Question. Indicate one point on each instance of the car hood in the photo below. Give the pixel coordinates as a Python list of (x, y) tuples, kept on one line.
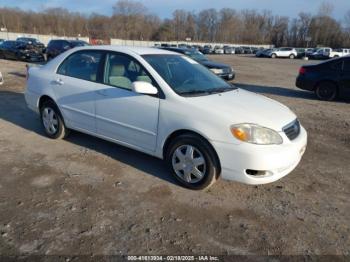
[(240, 106), (212, 64)]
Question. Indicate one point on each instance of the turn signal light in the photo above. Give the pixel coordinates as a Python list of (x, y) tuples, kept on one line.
[(239, 134)]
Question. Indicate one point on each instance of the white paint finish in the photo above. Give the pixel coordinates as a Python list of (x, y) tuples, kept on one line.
[(144, 122)]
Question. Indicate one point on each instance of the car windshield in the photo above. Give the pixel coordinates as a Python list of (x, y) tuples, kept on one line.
[(198, 56), (187, 77)]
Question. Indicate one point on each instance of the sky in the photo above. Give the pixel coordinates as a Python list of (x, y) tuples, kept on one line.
[(164, 8)]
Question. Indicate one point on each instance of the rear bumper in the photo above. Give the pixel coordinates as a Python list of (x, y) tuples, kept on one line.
[(32, 99), (273, 162), (304, 83)]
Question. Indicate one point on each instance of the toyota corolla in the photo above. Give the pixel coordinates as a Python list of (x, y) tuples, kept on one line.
[(171, 107)]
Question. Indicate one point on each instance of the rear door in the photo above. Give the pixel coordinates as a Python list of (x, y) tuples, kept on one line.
[(74, 86)]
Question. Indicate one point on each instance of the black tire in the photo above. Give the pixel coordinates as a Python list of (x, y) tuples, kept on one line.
[(273, 56), (212, 167), (291, 56), (2, 56), (61, 130), (326, 91)]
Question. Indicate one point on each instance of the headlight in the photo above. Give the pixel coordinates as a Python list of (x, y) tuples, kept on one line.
[(217, 71), (255, 134)]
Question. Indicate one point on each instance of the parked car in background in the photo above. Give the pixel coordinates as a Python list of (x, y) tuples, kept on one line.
[(310, 51), (238, 50), (18, 50), (301, 52), (1, 41), (254, 50), (284, 52), (247, 50), (229, 50), (320, 53), (58, 46), (1, 79), (329, 80), (263, 52), (218, 50), (170, 107), (224, 71), (334, 53), (207, 49), (33, 42)]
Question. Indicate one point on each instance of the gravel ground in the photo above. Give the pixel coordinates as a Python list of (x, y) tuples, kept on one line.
[(85, 196)]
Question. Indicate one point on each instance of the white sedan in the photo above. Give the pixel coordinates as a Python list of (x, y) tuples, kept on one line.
[(169, 106)]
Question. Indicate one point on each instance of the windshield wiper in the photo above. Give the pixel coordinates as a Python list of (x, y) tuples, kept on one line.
[(194, 92), (221, 90)]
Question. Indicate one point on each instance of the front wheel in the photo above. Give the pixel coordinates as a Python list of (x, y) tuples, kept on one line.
[(292, 56), (273, 56), (326, 91), (52, 121), (193, 162)]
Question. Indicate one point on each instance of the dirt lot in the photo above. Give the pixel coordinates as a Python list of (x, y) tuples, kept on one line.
[(83, 195)]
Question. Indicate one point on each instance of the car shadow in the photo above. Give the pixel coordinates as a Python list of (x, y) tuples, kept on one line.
[(15, 111), (19, 74)]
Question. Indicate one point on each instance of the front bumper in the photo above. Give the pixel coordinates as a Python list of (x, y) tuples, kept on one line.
[(228, 76), (272, 161)]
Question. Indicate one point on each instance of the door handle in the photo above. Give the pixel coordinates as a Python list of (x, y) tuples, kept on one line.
[(102, 92), (58, 81)]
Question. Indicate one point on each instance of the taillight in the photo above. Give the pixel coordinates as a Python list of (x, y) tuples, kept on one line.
[(302, 70)]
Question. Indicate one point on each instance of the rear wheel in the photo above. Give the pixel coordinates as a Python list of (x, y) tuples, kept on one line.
[(193, 161), (52, 121), (326, 91)]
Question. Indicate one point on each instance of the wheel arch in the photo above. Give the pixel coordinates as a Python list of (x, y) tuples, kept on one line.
[(45, 98), (180, 132), (326, 80)]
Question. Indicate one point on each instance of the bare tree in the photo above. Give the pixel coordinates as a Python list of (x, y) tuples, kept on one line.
[(131, 20)]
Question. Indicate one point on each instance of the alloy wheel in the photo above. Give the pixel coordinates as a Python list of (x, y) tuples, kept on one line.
[(189, 164), (50, 120)]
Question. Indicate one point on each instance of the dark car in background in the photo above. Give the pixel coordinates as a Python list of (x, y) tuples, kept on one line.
[(1, 41), (58, 46), (19, 50), (263, 52), (247, 50), (35, 43), (224, 71), (301, 52), (329, 80), (239, 50)]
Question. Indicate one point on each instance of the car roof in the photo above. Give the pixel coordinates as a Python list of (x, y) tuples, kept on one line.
[(133, 49)]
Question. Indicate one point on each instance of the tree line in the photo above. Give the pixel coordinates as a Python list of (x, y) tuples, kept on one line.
[(131, 20)]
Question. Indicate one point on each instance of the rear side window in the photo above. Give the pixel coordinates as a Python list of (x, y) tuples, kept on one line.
[(82, 65)]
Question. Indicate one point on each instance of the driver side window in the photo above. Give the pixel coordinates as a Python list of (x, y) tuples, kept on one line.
[(121, 71)]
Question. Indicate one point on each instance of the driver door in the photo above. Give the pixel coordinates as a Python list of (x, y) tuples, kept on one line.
[(121, 114)]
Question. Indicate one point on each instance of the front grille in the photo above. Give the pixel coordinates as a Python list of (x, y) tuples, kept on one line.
[(292, 130)]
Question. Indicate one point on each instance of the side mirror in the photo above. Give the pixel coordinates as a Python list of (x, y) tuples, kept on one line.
[(142, 87)]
